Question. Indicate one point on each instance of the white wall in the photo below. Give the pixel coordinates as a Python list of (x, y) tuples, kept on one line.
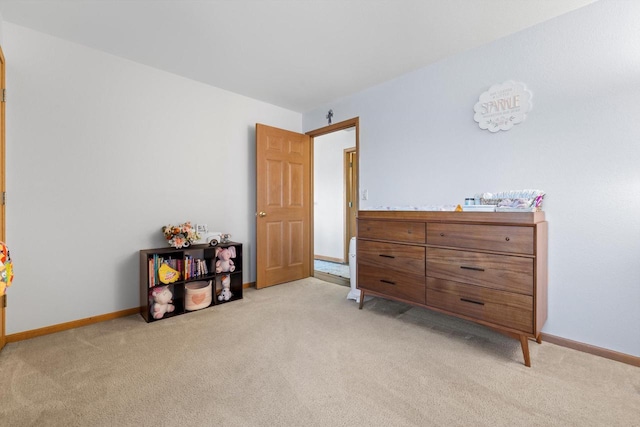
[(101, 153), (580, 143), (328, 191)]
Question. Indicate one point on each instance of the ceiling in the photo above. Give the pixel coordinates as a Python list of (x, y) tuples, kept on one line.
[(297, 54)]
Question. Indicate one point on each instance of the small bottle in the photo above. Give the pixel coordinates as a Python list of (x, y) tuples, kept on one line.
[(469, 201)]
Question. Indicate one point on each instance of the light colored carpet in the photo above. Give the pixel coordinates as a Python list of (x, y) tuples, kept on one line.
[(301, 354)]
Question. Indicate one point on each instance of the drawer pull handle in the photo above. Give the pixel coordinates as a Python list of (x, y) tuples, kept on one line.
[(386, 256), (388, 282), (441, 234), (471, 301), (472, 268), (507, 238)]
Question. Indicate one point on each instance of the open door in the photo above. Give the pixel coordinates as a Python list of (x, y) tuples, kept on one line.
[(351, 196), (3, 299), (283, 217)]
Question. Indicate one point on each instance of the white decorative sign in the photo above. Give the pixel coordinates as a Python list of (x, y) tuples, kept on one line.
[(502, 106)]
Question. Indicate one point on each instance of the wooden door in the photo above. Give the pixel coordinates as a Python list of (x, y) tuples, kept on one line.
[(351, 196), (283, 217), (3, 299)]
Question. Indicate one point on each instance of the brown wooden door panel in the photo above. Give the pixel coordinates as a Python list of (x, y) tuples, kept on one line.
[(3, 336), (3, 339), (275, 176), (351, 197), (283, 217)]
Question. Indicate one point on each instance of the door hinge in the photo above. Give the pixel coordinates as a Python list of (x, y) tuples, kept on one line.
[(4, 95), (4, 198), (4, 303), (350, 204)]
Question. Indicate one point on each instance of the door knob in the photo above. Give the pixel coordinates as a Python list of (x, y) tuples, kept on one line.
[(261, 214)]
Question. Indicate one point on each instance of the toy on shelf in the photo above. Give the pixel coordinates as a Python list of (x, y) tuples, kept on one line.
[(226, 294), (225, 263), (167, 274), (6, 268), (162, 299)]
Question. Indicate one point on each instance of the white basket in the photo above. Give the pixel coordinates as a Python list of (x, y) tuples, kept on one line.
[(197, 295)]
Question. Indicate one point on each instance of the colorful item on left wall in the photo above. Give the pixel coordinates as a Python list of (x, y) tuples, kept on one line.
[(6, 269)]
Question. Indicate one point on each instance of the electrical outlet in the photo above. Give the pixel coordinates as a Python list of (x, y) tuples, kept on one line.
[(202, 228), (365, 194)]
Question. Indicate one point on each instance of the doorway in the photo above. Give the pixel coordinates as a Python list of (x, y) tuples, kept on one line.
[(285, 221), (335, 204), (3, 299)]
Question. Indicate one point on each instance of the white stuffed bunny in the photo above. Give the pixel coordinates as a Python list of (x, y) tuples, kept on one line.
[(226, 294)]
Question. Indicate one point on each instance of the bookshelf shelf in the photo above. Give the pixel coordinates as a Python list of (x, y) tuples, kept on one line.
[(190, 275)]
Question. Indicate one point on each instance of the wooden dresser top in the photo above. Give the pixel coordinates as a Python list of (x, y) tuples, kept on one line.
[(508, 218)]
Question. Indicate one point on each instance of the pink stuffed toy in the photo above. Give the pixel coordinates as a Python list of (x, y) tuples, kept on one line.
[(224, 262), (162, 299)]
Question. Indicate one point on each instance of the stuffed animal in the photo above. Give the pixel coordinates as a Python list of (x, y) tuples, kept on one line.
[(224, 263), (162, 299), (226, 294)]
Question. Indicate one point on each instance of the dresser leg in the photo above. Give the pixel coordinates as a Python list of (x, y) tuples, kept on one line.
[(539, 339), (361, 299), (524, 342)]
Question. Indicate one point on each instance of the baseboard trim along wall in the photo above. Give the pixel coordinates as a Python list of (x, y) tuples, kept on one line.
[(331, 278), (328, 258), (21, 336), (591, 349)]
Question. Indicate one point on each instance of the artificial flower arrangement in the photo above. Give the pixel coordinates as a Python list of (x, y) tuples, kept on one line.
[(180, 236)]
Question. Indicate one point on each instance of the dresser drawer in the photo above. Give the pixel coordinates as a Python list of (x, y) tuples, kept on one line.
[(502, 272), (410, 259), (394, 284), (499, 238), (499, 307), (396, 231)]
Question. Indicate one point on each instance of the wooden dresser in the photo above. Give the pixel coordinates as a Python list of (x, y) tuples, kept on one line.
[(486, 267)]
